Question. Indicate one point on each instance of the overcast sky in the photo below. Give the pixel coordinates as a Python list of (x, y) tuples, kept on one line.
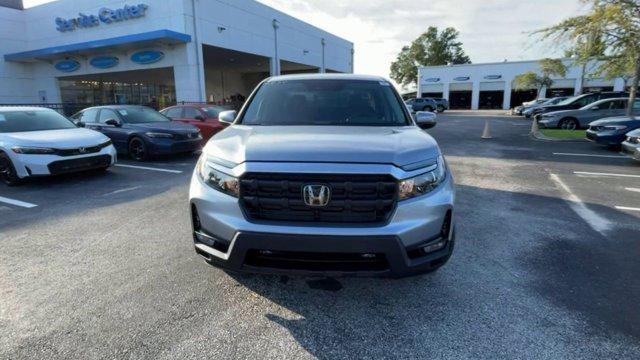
[(490, 30)]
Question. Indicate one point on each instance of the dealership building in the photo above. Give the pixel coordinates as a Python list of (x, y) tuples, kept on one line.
[(491, 85), (154, 51)]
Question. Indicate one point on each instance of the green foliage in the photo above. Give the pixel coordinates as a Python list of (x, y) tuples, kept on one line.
[(532, 80), (429, 49), (611, 28)]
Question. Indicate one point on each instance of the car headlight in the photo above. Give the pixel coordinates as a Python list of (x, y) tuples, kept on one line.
[(106, 144), (159, 135), (32, 150), (218, 180), (614, 127), (425, 183)]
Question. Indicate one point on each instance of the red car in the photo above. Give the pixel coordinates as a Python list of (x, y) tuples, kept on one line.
[(204, 117)]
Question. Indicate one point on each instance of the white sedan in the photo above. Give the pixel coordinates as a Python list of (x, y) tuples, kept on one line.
[(41, 142)]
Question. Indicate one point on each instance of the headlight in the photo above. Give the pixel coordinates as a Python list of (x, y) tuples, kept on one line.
[(614, 127), (32, 150), (216, 179), (425, 183), (159, 135), (106, 143)]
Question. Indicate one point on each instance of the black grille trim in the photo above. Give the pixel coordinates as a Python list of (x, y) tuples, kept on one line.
[(82, 164), (355, 199)]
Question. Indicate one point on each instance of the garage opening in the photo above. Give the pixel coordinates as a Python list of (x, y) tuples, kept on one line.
[(151, 87), (491, 95), (289, 68), (460, 96), (595, 85), (432, 91), (230, 76), (562, 87), (520, 96)]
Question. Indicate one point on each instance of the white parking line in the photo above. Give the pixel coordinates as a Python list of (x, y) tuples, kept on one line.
[(627, 208), (633, 190), (605, 174), (592, 155), (122, 190), (597, 222), (17, 203), (149, 168)]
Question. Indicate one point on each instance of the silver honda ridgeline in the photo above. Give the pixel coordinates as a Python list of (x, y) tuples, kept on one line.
[(324, 175)]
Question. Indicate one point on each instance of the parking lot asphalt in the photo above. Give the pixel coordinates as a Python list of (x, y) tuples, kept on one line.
[(546, 267)]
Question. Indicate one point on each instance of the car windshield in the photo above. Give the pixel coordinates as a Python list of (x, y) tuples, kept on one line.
[(141, 115), (40, 120), (326, 102), (568, 101), (214, 111)]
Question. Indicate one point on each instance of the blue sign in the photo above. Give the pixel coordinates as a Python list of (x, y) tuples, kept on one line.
[(462, 78), (104, 62), (147, 57), (493, 77), (432, 80), (69, 65), (105, 15)]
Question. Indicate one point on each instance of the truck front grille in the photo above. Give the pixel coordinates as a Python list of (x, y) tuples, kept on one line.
[(354, 198)]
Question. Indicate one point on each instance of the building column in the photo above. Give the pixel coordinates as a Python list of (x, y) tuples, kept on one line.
[(445, 91), (506, 103), (475, 96), (188, 80), (543, 93), (619, 85)]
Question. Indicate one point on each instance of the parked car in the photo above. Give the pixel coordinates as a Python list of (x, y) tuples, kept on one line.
[(612, 131), (140, 131), (41, 142), (631, 145), (519, 110), (204, 117), (528, 111), (324, 174), (581, 118), (578, 102), (441, 104), (422, 104)]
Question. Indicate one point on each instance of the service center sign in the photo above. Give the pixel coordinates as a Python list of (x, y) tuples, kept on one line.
[(105, 15)]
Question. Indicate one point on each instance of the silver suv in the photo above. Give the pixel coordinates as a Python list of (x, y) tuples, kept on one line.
[(324, 174)]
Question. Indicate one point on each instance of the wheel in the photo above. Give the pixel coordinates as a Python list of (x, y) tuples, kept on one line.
[(568, 124), (440, 109), (427, 108), (138, 149), (8, 174)]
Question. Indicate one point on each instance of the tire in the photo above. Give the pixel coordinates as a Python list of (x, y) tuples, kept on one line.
[(427, 108), (8, 174), (440, 109), (138, 149), (568, 124)]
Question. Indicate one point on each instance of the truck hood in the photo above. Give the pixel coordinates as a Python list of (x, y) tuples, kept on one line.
[(59, 139), (399, 146)]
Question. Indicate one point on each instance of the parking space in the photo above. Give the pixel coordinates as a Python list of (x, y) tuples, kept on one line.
[(545, 263)]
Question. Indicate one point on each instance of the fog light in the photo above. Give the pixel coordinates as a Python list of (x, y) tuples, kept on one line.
[(434, 247)]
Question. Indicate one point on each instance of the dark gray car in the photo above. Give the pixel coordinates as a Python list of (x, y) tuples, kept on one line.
[(580, 118)]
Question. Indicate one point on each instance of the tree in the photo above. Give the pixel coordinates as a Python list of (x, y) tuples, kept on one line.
[(432, 48), (616, 24), (587, 48), (548, 68)]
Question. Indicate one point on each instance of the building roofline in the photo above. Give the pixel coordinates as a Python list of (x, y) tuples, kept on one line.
[(489, 63)]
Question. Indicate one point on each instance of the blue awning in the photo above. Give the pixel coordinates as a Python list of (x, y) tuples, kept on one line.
[(147, 38)]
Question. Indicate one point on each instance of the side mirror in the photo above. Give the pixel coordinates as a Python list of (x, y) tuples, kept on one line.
[(113, 122), (80, 124), (228, 117), (199, 117), (425, 120)]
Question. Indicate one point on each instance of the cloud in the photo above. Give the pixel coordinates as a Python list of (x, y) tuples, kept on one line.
[(489, 30)]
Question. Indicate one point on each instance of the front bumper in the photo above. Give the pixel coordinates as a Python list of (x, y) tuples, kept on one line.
[(46, 165), (633, 150), (608, 138), (159, 146), (227, 239)]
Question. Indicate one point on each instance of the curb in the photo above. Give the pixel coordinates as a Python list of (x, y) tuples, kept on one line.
[(539, 136)]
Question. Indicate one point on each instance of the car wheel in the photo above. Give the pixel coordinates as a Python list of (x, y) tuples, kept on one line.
[(440, 108), (427, 108), (568, 124), (138, 149), (8, 174)]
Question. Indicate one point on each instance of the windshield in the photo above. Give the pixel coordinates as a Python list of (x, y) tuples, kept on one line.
[(568, 101), (326, 102), (141, 115), (41, 120), (214, 111)]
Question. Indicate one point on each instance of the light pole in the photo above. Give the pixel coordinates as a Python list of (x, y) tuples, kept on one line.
[(324, 44), (276, 58)]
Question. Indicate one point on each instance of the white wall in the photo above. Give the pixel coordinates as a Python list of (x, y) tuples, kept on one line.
[(508, 71), (16, 79)]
